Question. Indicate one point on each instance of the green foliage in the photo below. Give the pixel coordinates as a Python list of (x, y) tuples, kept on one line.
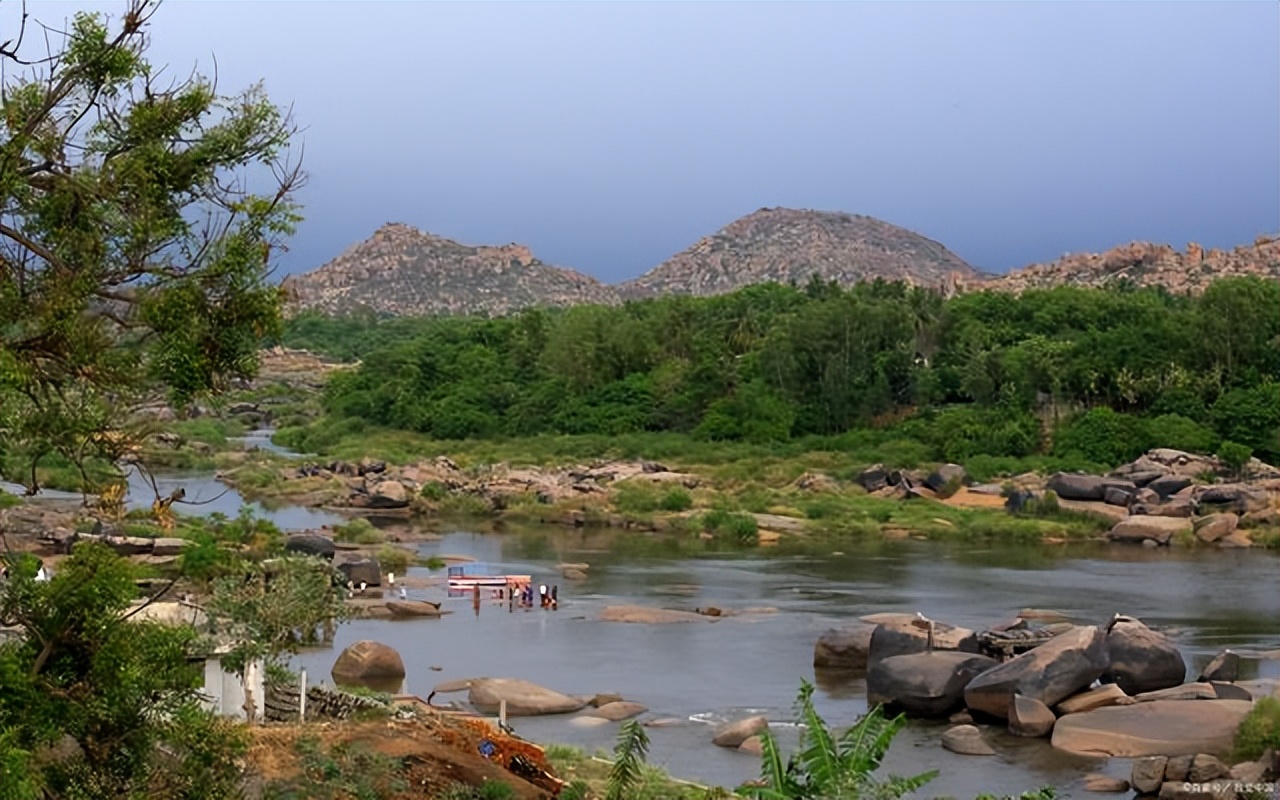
[(1235, 455), (771, 366), (77, 643), (343, 772), (735, 525), (360, 531), (676, 500), (1104, 436), (1258, 732), (435, 562), (629, 755), (828, 766), (394, 559), (434, 491), (1043, 793), (137, 254)]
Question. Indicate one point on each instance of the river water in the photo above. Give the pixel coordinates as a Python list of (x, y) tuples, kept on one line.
[(702, 673)]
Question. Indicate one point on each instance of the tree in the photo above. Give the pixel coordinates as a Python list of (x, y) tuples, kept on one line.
[(132, 249), (123, 690)]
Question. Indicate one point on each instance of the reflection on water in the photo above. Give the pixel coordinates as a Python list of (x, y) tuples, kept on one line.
[(703, 671), (205, 495)]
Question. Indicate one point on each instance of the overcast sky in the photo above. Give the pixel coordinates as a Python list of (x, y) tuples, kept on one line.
[(609, 136)]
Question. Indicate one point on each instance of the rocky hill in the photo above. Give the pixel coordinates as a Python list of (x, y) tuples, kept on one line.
[(401, 270), (1146, 264), (783, 244)]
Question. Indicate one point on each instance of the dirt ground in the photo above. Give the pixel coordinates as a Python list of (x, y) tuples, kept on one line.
[(435, 752)]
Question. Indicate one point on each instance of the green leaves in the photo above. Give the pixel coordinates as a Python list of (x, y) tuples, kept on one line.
[(628, 765)]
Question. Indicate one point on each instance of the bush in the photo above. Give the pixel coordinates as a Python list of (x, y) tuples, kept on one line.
[(1251, 417), (1235, 456), (1180, 433), (358, 530), (394, 559), (676, 500), (1104, 436), (739, 526), (1259, 731), (435, 491)]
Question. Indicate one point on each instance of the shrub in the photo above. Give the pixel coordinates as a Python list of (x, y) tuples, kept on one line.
[(394, 559), (435, 491), (1235, 456), (1251, 417), (1180, 433), (739, 526), (1259, 731), (676, 500), (1104, 436), (358, 530)]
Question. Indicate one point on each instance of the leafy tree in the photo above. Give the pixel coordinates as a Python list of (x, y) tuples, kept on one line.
[(828, 766), (131, 247), (122, 689)]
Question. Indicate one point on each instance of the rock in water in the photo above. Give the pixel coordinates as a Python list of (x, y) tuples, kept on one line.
[(1030, 717), (1105, 783), (1147, 774), (1142, 660), (617, 711), (924, 684), (311, 544), (966, 740), (524, 699), (1161, 727), (362, 570), (735, 733), (368, 661), (903, 635), (1225, 666), (844, 648), (1108, 694), (1052, 672)]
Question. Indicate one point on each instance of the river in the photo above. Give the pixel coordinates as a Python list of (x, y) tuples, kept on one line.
[(702, 673)]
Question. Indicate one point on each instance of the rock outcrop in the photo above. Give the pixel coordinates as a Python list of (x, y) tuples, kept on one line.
[(1052, 672), (401, 270), (523, 699), (785, 245), (368, 661)]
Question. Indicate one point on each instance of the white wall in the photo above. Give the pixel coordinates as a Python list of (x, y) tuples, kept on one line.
[(225, 691)]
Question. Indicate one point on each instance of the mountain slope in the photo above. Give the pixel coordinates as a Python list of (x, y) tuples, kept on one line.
[(782, 244), (401, 270), (1146, 264)]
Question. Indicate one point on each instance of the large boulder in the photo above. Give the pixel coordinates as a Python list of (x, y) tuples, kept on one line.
[(1077, 486), (1213, 527), (362, 570), (388, 494), (310, 544), (617, 711), (1147, 774), (1225, 666), (368, 661), (1138, 529), (524, 699), (1161, 727), (1168, 485), (1030, 717), (168, 546), (1108, 694), (1141, 660), (945, 474), (1173, 507), (1051, 672), (734, 734), (1235, 497), (924, 684), (843, 648), (873, 478), (966, 740), (903, 635)]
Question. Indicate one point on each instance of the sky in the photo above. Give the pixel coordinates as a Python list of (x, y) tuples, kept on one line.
[(609, 136)]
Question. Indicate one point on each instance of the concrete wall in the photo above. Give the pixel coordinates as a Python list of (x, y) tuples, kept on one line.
[(225, 691)]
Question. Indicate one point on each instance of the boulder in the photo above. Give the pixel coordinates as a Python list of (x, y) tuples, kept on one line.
[(1147, 774), (1141, 471), (1018, 499), (1213, 527), (362, 570), (735, 733), (1205, 768), (873, 478), (924, 684), (1157, 529), (1185, 691), (1168, 485), (1141, 660), (1234, 497), (1238, 540), (648, 615), (310, 544), (570, 574), (1107, 694), (1231, 691), (1051, 672), (1144, 497), (1173, 507), (1116, 496), (753, 745), (1030, 717), (388, 494), (945, 474), (901, 636), (413, 608), (1178, 767), (1161, 727), (168, 546), (129, 545), (966, 740), (368, 661), (524, 699), (844, 648), (1225, 666), (617, 711), (1105, 783), (1078, 486)]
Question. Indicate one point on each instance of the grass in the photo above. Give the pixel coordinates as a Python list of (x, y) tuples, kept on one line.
[(1258, 732), (359, 531), (591, 775)]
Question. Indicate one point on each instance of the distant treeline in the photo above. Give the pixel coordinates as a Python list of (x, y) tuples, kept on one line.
[(1101, 374)]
